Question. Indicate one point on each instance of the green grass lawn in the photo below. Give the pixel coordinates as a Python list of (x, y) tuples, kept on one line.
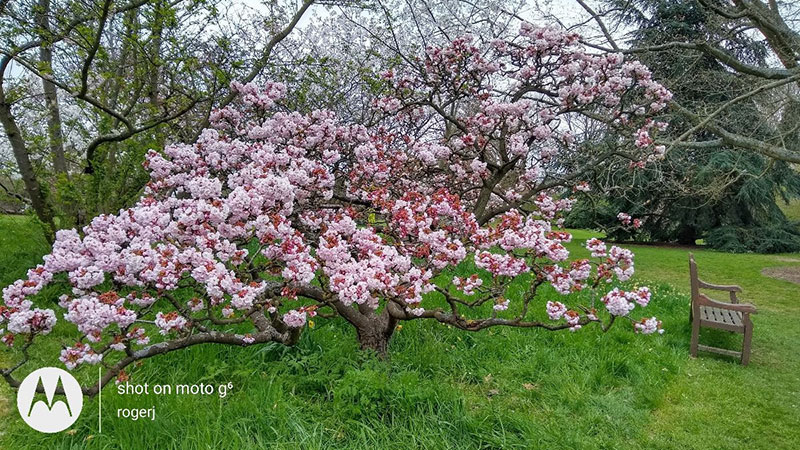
[(441, 388), (792, 210)]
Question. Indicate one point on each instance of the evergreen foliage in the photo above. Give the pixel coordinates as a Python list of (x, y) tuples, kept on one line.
[(727, 196)]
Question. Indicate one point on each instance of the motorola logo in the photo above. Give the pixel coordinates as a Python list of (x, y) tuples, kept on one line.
[(49, 400)]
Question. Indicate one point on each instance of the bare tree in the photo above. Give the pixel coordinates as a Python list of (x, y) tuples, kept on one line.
[(774, 83), (133, 68)]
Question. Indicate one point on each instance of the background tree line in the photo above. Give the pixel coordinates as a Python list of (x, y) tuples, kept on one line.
[(87, 87)]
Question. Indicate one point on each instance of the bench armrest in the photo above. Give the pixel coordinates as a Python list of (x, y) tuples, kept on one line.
[(731, 288), (741, 307)]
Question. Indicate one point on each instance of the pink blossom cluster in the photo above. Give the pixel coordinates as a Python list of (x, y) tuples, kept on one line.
[(648, 326), (93, 313), (32, 321), (388, 104), (469, 284), (138, 335), (620, 303), (363, 268), (627, 220), (615, 262), (501, 304), (261, 96), (580, 270), (596, 247), (573, 319), (501, 264), (620, 260), (79, 354), (295, 318), (18, 311), (556, 310), (583, 186), (560, 280), (169, 322), (516, 232)]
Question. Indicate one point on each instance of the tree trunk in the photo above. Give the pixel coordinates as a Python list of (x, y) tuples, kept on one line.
[(373, 330), (32, 186), (154, 98), (54, 130), (375, 334), (156, 31), (687, 236), (375, 340)]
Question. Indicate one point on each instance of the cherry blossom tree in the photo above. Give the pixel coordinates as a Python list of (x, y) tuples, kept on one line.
[(273, 216)]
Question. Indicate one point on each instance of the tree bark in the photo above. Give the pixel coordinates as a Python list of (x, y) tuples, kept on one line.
[(156, 31), (55, 133), (375, 334), (375, 339)]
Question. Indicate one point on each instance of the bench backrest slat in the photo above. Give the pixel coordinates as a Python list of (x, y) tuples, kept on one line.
[(695, 285)]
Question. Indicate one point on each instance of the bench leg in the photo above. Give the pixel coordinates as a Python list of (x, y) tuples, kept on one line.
[(748, 335), (695, 338)]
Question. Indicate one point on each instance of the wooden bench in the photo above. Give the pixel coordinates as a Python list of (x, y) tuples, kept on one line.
[(705, 312)]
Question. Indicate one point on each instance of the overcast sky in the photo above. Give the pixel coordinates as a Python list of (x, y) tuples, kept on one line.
[(567, 11)]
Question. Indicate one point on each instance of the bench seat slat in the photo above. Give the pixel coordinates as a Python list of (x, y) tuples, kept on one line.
[(719, 315)]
